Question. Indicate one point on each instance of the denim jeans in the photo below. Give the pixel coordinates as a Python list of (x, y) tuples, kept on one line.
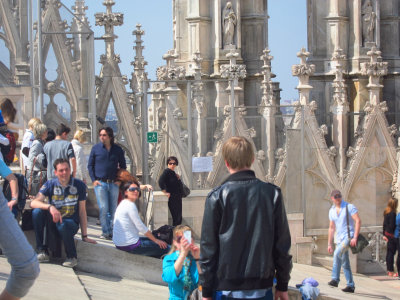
[(20, 255), (107, 200), (149, 248), (67, 229), (268, 296), (341, 259)]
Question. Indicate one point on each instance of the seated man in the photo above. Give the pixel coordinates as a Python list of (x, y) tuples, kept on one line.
[(67, 206)]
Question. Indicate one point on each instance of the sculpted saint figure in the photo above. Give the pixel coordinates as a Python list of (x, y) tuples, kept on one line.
[(368, 22), (229, 19)]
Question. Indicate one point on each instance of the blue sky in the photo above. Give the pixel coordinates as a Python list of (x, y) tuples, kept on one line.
[(287, 34)]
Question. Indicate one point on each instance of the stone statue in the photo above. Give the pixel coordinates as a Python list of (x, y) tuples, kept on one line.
[(229, 23), (368, 22)]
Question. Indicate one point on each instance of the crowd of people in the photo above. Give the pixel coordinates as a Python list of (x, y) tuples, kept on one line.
[(245, 237)]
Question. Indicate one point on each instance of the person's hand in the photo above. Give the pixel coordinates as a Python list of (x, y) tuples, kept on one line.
[(178, 176), (96, 183), (353, 242), (148, 187), (207, 298), (88, 240), (195, 251), (11, 204), (185, 246), (330, 249), (385, 238), (161, 244), (168, 195), (279, 295), (55, 214)]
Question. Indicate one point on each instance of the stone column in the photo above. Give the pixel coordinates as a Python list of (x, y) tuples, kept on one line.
[(374, 69), (303, 71), (233, 72), (200, 108), (268, 111), (340, 109), (82, 60)]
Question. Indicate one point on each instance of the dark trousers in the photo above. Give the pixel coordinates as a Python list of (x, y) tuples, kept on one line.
[(392, 247), (175, 207)]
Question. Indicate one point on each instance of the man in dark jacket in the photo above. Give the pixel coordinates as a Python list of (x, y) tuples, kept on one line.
[(245, 238)]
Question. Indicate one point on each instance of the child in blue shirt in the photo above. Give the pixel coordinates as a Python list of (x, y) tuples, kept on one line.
[(181, 267)]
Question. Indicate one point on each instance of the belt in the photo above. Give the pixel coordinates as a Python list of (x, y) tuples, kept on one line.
[(105, 180)]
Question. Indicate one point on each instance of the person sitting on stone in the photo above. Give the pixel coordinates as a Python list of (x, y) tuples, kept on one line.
[(67, 206), (127, 225)]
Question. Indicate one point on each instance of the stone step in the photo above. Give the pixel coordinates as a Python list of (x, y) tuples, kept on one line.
[(322, 260)]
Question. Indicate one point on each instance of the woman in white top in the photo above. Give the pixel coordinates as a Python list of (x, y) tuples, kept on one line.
[(128, 225), (81, 161), (27, 141)]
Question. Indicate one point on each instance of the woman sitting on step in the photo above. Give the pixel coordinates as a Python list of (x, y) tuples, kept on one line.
[(127, 225)]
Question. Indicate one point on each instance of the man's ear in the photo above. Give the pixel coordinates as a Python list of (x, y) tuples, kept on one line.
[(226, 164)]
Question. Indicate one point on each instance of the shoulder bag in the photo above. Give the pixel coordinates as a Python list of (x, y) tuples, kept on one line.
[(362, 242), (36, 179)]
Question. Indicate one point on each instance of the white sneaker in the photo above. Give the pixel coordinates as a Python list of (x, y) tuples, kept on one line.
[(43, 257), (70, 262)]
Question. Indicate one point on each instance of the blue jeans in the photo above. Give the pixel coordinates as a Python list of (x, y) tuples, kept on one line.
[(149, 248), (107, 200), (67, 229), (268, 296), (341, 259), (20, 255)]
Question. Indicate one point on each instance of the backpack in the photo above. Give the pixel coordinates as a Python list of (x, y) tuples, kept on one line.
[(22, 190), (164, 233), (9, 150)]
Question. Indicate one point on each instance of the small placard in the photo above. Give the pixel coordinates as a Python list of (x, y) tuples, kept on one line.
[(152, 137), (202, 164)]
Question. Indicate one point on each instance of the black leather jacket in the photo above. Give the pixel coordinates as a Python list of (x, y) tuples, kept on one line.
[(245, 238)]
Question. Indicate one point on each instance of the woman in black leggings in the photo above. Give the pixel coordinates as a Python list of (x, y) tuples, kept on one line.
[(169, 183), (389, 226)]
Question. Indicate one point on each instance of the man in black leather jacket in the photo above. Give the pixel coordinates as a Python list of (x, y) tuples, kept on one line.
[(245, 238)]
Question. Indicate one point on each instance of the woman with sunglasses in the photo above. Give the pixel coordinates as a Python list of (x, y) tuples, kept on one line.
[(128, 225), (170, 185), (181, 266)]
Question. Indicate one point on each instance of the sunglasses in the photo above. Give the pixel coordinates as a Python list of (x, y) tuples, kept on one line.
[(172, 163), (337, 196), (132, 189)]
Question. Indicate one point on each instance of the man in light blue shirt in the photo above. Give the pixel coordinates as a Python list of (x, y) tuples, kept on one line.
[(343, 239)]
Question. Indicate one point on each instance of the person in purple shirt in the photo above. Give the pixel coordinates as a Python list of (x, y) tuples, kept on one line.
[(104, 161)]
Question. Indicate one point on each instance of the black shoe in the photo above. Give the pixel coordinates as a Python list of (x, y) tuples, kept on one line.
[(333, 283), (348, 289)]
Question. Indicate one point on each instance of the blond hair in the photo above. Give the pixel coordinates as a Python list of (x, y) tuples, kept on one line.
[(238, 153), (38, 130), (33, 122), (178, 231), (80, 136)]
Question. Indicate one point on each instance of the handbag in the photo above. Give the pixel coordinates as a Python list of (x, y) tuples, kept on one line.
[(185, 191), (196, 294), (362, 242), (36, 179)]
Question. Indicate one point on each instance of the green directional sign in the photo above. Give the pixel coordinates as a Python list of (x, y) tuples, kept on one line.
[(152, 137)]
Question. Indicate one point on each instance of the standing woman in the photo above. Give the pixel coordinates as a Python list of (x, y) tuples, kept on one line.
[(389, 226), (81, 161), (170, 185), (36, 173), (27, 141)]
